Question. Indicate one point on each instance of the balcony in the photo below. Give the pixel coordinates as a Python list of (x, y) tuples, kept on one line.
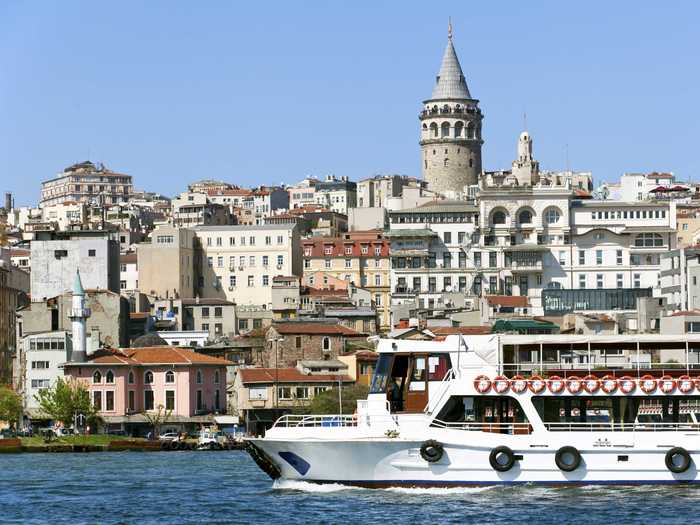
[(526, 265)]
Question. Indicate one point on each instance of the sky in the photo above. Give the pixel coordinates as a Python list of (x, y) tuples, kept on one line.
[(269, 92)]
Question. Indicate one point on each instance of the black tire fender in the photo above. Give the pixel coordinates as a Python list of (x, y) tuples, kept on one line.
[(559, 458), (432, 451), (678, 468), (496, 457)]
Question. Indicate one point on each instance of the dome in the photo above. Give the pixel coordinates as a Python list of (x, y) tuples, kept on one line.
[(148, 340)]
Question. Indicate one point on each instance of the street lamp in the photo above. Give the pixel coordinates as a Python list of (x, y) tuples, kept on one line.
[(276, 341)]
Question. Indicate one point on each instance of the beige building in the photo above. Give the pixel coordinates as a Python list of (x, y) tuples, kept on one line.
[(361, 258), (166, 265), (86, 182), (239, 262), (688, 227)]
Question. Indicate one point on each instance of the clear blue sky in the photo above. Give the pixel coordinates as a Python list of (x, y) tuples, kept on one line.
[(268, 92)]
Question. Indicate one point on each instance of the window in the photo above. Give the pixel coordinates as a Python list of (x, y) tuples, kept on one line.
[(91, 253), (498, 217), (619, 257), (220, 262), (251, 260), (599, 280), (493, 284), (582, 257), (492, 260), (199, 377), (132, 401), (200, 400), (477, 259), (217, 399), (205, 327), (377, 280), (251, 280), (41, 383), (599, 257), (326, 344), (582, 281), (251, 241), (169, 376), (210, 262), (348, 263), (109, 378), (648, 240), (109, 400), (562, 258), (525, 217), (692, 327), (205, 311), (268, 240), (318, 390), (265, 260), (131, 377), (257, 393), (148, 378), (551, 216), (637, 280), (301, 392), (284, 392), (447, 237), (327, 264), (619, 280), (97, 377), (97, 400), (243, 324), (265, 280), (40, 364), (170, 400), (280, 239), (122, 285)]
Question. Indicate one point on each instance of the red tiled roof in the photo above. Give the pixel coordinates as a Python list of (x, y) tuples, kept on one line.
[(155, 355), (308, 290), (463, 330), (315, 329), (286, 375), (685, 312), (509, 301)]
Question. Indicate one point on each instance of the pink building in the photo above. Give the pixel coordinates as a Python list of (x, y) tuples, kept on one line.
[(125, 383)]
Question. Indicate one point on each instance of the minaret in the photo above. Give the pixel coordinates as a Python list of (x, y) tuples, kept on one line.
[(451, 129), (78, 315)]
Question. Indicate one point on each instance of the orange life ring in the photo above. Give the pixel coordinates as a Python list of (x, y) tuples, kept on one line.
[(536, 384), (574, 384), (482, 384), (608, 384), (501, 384), (627, 384), (555, 384), (518, 384), (591, 384), (686, 384), (667, 384), (647, 383)]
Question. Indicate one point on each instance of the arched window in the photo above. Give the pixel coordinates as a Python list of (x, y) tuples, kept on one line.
[(470, 130), (434, 129), (554, 285), (498, 217), (552, 216), (148, 377), (445, 108), (326, 344), (425, 127), (446, 162), (445, 129), (199, 377), (131, 377), (458, 129), (525, 217), (97, 377), (109, 378), (170, 376), (216, 377)]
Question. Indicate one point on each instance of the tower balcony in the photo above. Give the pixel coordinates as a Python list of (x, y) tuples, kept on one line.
[(459, 141)]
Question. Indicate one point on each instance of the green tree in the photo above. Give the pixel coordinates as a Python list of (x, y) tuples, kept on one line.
[(327, 402), (10, 405), (65, 400)]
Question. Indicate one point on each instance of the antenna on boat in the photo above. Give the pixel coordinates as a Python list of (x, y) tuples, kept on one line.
[(459, 349)]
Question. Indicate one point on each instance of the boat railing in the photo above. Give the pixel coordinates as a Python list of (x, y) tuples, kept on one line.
[(595, 426), (540, 367), (329, 420), (443, 388), (498, 428)]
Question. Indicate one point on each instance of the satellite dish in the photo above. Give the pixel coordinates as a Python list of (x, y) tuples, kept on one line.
[(448, 288)]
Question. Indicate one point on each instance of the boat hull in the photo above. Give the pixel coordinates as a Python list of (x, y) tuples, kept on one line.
[(398, 463)]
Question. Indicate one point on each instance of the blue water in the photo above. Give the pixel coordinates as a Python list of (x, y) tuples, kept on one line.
[(227, 487)]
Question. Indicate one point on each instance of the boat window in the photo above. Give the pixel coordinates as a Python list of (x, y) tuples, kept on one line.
[(418, 374), (500, 414), (438, 366), (381, 374)]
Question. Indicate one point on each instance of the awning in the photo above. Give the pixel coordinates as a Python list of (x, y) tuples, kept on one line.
[(226, 420)]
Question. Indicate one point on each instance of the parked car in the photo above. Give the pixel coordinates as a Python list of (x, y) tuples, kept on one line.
[(169, 436)]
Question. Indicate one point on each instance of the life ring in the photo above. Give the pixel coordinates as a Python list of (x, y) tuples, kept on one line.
[(677, 460), (591, 384), (555, 384), (536, 385), (500, 384), (502, 459), (164, 445), (667, 384), (647, 383), (431, 451), (608, 384), (482, 384), (627, 384), (574, 384), (685, 384), (518, 384), (567, 458)]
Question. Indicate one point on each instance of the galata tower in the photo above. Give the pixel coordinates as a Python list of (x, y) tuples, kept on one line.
[(450, 138)]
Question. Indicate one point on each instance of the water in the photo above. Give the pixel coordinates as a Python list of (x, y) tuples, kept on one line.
[(227, 487)]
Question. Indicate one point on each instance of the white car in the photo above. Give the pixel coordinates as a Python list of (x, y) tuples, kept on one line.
[(169, 436)]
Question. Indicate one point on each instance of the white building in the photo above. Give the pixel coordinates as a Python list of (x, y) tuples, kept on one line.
[(239, 262), (128, 272), (42, 355), (336, 194)]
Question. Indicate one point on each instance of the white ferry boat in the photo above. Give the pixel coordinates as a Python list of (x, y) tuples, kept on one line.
[(507, 409)]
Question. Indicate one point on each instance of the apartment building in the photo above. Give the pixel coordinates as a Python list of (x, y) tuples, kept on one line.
[(361, 258), (128, 272), (86, 182), (192, 209), (239, 262), (215, 317), (336, 194), (167, 266)]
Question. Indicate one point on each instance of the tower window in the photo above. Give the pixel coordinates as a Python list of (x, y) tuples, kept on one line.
[(445, 129), (433, 152), (446, 162), (471, 163), (445, 151)]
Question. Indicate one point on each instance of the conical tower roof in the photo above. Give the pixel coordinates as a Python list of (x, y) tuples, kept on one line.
[(78, 284), (450, 81)]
